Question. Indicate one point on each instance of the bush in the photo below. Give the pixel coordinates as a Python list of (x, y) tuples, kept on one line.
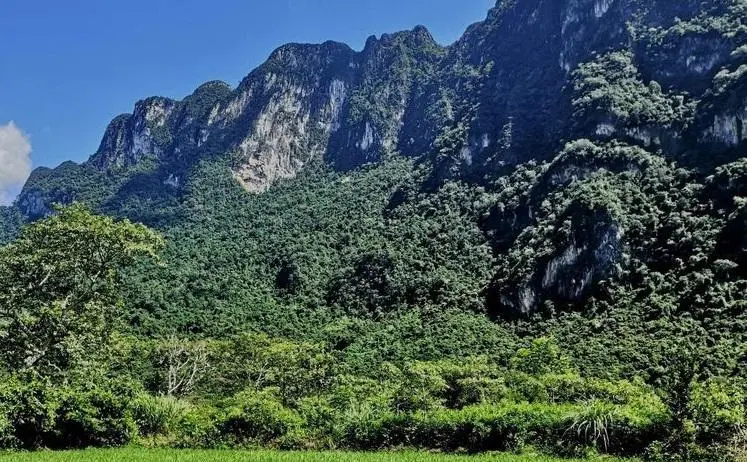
[(526, 387), (736, 447), (609, 428), (197, 428), (422, 387), (718, 408), (470, 391), (100, 416), (37, 414), (565, 429), (259, 418), (31, 411), (322, 421), (431, 385), (7, 435), (543, 356), (158, 415), (506, 426)]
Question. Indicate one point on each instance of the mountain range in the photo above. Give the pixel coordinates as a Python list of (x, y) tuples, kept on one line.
[(567, 167)]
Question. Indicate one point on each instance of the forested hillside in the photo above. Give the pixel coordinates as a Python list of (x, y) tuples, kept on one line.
[(567, 180)]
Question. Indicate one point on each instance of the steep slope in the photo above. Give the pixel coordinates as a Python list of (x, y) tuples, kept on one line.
[(510, 90), (307, 102), (576, 163)]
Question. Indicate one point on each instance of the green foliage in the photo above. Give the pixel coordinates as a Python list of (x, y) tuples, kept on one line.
[(403, 60), (542, 357), (30, 410), (10, 223), (67, 183), (295, 275), (259, 418), (158, 415), (95, 416), (43, 415), (510, 426), (294, 369), (59, 296), (718, 409), (499, 291), (611, 87)]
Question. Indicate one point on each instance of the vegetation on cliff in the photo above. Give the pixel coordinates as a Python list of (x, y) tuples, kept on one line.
[(533, 237)]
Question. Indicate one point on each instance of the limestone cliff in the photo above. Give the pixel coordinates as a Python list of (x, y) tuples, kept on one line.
[(639, 82)]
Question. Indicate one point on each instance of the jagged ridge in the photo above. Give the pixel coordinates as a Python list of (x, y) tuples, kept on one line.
[(664, 77)]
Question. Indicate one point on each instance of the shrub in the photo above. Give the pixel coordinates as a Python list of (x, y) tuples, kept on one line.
[(718, 408), (593, 425), (31, 410), (360, 425), (736, 447), (322, 420), (611, 428), (526, 387), (197, 428), (506, 426), (566, 429), (100, 416), (7, 435), (543, 356), (259, 418), (37, 414), (470, 391), (423, 387), (158, 415)]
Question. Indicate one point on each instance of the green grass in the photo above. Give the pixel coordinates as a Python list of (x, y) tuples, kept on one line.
[(163, 455)]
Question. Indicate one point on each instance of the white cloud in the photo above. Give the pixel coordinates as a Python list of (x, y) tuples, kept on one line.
[(15, 161)]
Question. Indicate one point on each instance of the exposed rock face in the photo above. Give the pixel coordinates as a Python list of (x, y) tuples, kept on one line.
[(159, 128), (306, 102), (728, 129), (722, 119), (131, 138), (593, 238), (516, 87), (500, 92), (591, 25), (388, 71), (33, 205), (568, 275), (682, 54), (590, 257), (62, 185), (502, 130), (282, 115), (314, 101)]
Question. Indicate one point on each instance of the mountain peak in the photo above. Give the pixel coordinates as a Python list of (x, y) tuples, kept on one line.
[(211, 85), (417, 36), (505, 88)]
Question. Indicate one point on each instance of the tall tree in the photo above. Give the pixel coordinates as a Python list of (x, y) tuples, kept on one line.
[(59, 289)]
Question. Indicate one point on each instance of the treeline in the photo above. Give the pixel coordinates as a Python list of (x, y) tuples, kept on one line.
[(70, 380), (253, 391)]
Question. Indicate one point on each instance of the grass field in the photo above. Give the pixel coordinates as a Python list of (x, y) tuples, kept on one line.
[(145, 455)]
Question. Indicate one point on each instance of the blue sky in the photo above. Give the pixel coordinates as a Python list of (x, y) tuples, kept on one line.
[(68, 67)]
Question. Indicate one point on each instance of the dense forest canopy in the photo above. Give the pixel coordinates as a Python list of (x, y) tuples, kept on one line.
[(534, 235)]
